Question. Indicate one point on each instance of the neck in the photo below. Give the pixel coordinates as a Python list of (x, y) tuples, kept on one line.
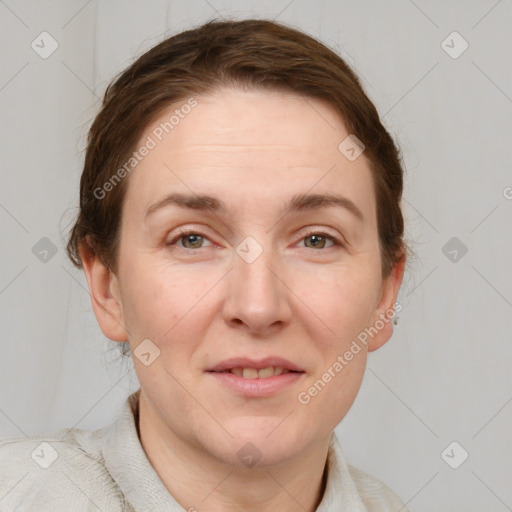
[(197, 480)]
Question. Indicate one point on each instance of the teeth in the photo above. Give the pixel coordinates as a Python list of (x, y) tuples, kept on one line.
[(264, 373)]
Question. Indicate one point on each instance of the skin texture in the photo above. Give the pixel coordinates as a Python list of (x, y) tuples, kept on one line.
[(200, 303)]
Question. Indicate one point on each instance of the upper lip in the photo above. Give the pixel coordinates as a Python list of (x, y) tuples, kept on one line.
[(258, 364)]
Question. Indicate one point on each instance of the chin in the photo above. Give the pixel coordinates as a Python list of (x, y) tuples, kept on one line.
[(270, 440), (258, 454)]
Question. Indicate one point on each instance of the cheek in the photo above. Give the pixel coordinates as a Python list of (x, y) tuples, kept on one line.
[(342, 298), (330, 392), (347, 301), (164, 305)]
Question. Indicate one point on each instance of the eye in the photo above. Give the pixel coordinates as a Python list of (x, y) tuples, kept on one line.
[(319, 239), (191, 240)]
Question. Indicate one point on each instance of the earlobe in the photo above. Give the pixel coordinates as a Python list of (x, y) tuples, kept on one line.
[(385, 311), (105, 295)]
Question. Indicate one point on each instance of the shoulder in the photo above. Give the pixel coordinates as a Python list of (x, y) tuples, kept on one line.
[(60, 470), (375, 495)]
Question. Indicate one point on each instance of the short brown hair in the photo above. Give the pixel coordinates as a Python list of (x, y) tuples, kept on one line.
[(249, 54)]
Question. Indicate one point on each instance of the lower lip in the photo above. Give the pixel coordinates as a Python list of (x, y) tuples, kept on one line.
[(257, 387)]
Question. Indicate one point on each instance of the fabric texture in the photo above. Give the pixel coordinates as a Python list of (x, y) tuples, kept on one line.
[(108, 470)]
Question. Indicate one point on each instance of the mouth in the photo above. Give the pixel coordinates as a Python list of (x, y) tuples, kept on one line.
[(256, 378), (254, 373), (256, 368)]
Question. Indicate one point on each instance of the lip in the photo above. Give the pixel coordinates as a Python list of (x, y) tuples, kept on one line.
[(258, 364), (256, 388)]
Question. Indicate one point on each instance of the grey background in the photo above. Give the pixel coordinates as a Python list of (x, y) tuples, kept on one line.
[(445, 375)]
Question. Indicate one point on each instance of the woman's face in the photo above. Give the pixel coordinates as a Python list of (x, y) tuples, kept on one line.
[(265, 274)]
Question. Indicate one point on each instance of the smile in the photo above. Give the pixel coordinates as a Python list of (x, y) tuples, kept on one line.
[(252, 383), (253, 373)]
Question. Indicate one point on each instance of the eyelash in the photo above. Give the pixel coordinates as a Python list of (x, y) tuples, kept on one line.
[(187, 232)]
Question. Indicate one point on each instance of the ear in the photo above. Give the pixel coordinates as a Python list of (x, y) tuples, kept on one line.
[(383, 315), (105, 295)]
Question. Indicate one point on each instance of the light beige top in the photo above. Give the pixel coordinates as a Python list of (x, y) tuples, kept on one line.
[(73, 470)]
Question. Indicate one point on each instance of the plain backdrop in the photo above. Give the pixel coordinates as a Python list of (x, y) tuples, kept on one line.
[(445, 375)]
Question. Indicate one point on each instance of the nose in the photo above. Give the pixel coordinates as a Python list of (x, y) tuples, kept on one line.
[(257, 298)]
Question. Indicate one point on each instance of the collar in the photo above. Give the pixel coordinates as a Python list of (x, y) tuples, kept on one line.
[(129, 466)]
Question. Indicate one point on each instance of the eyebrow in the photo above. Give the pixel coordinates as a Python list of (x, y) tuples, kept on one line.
[(298, 203)]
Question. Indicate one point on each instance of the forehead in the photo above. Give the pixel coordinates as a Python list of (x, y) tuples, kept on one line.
[(266, 140)]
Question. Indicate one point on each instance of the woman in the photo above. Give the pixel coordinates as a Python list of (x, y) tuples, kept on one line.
[(241, 233)]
